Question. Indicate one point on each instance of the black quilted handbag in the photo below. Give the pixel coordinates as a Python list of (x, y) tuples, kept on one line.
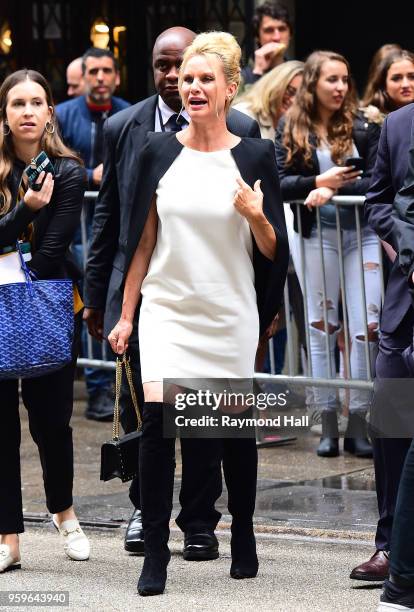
[(120, 456)]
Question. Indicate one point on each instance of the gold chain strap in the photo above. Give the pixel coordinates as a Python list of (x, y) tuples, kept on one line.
[(118, 382)]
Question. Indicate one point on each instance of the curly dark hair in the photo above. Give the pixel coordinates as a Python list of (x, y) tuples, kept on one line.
[(302, 115), (272, 9)]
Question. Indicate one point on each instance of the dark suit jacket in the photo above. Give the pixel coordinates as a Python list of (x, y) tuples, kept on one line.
[(255, 159), (298, 179), (403, 216), (124, 137), (387, 178)]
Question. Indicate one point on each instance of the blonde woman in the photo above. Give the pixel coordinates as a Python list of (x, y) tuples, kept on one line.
[(209, 294), (270, 97)]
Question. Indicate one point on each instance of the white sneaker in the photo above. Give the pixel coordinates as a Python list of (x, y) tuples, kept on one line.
[(7, 563), (76, 544)]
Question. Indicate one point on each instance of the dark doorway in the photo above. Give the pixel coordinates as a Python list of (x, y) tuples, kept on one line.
[(354, 28)]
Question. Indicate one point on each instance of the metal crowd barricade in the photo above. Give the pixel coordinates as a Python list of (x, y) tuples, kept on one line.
[(89, 361), (292, 376), (330, 381)]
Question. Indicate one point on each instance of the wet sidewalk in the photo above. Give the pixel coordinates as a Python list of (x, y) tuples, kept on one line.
[(315, 520), (298, 492)]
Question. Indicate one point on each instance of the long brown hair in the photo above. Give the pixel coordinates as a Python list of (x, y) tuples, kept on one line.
[(52, 144), (376, 91), (303, 114)]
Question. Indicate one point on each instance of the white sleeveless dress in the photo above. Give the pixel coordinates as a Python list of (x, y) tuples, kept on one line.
[(199, 316)]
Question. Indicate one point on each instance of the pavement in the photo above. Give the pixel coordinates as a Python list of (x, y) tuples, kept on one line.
[(301, 575), (315, 520)]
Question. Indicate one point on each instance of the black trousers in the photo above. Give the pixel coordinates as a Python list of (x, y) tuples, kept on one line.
[(201, 483), (402, 543), (390, 453), (49, 402)]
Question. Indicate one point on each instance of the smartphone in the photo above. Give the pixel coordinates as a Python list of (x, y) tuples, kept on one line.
[(357, 162), (39, 164)]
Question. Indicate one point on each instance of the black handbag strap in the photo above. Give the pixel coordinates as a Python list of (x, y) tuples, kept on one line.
[(120, 365)]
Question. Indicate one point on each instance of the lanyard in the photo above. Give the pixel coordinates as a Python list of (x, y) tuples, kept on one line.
[(162, 126)]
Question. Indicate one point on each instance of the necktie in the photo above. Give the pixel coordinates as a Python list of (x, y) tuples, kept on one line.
[(175, 123)]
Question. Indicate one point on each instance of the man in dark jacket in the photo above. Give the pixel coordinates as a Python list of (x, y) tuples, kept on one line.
[(81, 123), (397, 321), (398, 592), (125, 135), (273, 31)]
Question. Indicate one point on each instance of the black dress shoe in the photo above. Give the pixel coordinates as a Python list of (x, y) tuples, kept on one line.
[(134, 536), (202, 546)]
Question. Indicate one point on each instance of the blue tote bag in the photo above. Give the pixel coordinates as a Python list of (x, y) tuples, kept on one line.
[(36, 325)]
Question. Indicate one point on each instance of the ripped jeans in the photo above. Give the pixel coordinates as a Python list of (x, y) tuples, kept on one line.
[(325, 399)]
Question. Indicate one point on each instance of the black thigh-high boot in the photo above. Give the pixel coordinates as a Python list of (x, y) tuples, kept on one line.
[(240, 473), (156, 473)]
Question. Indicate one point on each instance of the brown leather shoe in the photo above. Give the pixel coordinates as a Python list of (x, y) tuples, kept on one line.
[(376, 569)]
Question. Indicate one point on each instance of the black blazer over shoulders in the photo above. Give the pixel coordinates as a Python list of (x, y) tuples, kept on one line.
[(124, 137), (298, 179), (255, 159), (54, 226)]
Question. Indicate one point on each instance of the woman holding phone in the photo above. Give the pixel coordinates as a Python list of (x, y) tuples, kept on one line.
[(47, 218), (319, 136)]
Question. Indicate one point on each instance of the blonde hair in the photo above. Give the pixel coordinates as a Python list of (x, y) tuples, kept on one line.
[(225, 47), (265, 97)]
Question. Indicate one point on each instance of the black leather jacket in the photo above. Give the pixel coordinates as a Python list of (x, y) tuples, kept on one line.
[(298, 179), (54, 226)]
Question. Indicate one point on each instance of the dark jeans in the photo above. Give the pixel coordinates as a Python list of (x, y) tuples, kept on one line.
[(390, 453), (96, 380), (402, 541), (49, 402)]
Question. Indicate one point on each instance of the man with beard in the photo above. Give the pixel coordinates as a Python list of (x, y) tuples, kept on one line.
[(81, 122)]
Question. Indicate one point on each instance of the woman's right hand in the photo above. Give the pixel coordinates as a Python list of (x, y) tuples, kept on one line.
[(36, 200), (337, 177), (119, 336), (319, 197)]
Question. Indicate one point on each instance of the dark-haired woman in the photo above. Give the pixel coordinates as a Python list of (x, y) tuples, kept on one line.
[(391, 85), (48, 218), (320, 132)]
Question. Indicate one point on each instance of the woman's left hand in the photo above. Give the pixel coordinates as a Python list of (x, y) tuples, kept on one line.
[(247, 201), (319, 197)]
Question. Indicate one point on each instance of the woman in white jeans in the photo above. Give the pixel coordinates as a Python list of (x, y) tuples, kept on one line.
[(320, 131)]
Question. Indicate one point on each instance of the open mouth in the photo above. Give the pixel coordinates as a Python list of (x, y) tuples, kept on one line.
[(28, 124), (197, 102)]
